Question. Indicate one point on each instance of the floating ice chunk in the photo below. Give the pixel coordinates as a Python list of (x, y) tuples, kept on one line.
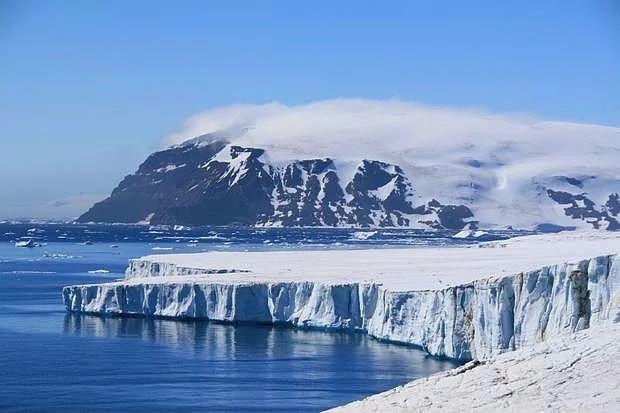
[(468, 233), (363, 235), (29, 243)]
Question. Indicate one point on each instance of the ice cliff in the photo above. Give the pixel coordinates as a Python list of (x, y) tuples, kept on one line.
[(475, 320)]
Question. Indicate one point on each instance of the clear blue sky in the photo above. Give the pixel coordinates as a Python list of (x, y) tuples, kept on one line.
[(89, 88)]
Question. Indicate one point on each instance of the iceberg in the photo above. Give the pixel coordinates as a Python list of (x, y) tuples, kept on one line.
[(29, 243), (363, 235), (468, 233)]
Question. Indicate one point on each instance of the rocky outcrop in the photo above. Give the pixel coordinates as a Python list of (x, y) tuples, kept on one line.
[(579, 206), (476, 320)]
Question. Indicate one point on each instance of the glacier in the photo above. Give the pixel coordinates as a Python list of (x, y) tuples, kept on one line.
[(473, 320)]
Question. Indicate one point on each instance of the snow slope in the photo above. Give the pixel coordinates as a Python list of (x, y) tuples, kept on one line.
[(421, 296), (567, 373)]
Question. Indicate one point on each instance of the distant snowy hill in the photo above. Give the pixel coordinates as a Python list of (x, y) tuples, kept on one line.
[(375, 163)]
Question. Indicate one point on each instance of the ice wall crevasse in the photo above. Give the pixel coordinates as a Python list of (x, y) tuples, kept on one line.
[(477, 320)]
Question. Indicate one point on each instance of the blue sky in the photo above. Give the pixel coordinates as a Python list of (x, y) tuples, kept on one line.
[(88, 89)]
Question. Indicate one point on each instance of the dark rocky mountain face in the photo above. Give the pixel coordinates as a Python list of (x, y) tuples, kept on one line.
[(447, 216), (208, 182), (187, 185), (157, 186)]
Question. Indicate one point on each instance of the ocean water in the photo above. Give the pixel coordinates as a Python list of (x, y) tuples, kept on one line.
[(54, 361), (236, 237)]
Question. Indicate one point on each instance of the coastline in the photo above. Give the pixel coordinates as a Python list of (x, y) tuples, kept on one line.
[(575, 372), (454, 314)]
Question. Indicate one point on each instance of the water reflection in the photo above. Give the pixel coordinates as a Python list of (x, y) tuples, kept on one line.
[(85, 363), (328, 355)]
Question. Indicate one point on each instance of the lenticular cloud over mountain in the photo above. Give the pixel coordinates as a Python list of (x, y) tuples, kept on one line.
[(361, 127)]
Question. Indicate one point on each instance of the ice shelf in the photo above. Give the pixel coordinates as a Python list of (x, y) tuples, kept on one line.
[(463, 303)]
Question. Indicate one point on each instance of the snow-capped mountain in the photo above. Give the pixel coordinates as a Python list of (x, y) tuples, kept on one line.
[(208, 181), (376, 164)]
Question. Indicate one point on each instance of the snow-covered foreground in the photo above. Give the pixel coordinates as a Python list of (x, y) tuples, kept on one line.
[(576, 372), (523, 291)]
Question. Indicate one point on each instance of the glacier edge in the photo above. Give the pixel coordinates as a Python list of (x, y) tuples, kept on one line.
[(471, 321)]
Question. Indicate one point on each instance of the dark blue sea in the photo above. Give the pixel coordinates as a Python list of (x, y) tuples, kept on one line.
[(53, 361)]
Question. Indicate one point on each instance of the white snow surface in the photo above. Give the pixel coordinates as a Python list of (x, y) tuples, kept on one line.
[(568, 373), (398, 269), (169, 168), (499, 165)]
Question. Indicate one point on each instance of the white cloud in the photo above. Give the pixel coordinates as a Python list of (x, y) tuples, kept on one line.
[(435, 145), (394, 129)]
